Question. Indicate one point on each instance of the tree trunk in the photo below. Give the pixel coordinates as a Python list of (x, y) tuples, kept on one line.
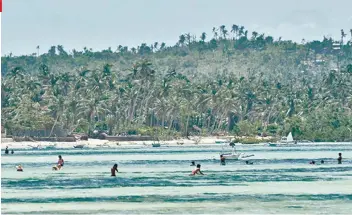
[(187, 125), (52, 128)]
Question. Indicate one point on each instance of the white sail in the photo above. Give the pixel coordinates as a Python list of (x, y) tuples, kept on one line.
[(289, 137)]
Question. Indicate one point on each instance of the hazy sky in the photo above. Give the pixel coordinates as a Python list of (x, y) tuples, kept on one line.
[(100, 24)]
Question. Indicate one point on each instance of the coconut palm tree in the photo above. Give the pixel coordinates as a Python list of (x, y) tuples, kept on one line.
[(38, 51), (235, 30), (343, 35), (215, 32), (203, 37), (223, 31), (182, 39)]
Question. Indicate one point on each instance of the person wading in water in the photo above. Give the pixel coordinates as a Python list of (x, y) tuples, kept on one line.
[(114, 169)]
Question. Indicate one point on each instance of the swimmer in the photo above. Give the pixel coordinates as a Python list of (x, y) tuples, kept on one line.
[(249, 163), (193, 163), (222, 160), (19, 168), (322, 161), (12, 151), (60, 163), (339, 159), (312, 162), (114, 169), (7, 150), (197, 171)]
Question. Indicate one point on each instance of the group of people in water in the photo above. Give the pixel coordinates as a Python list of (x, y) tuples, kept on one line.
[(222, 162), (7, 150), (339, 160), (58, 166), (114, 170)]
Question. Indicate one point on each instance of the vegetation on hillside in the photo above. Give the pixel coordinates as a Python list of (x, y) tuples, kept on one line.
[(235, 83)]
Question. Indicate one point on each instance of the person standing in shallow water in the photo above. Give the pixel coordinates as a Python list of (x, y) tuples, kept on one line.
[(222, 160), (114, 169), (7, 150), (339, 159)]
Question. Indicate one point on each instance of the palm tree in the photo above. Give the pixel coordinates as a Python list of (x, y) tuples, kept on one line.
[(203, 37), (223, 31), (162, 46), (156, 45), (254, 35), (215, 32), (188, 38), (38, 51), (343, 35), (234, 30), (246, 34), (182, 40)]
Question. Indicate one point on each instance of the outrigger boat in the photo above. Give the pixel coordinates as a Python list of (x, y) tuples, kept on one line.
[(79, 146), (52, 146), (36, 147), (156, 144), (234, 155), (104, 145), (221, 141)]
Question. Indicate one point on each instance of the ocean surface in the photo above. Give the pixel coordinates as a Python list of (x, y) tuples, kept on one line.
[(156, 180)]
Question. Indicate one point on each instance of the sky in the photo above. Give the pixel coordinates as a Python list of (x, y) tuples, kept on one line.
[(99, 24)]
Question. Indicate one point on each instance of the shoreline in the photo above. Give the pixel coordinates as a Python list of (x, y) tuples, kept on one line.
[(97, 143)]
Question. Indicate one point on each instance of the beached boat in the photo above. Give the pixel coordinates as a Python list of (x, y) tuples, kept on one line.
[(156, 144), (53, 146), (78, 146), (272, 144), (222, 141), (105, 145), (36, 147)]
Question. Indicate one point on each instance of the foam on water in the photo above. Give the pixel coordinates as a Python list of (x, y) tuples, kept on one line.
[(280, 181)]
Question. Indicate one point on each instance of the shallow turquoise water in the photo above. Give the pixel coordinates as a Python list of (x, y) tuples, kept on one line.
[(156, 180)]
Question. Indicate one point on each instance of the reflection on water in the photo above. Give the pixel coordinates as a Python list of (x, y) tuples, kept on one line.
[(281, 180)]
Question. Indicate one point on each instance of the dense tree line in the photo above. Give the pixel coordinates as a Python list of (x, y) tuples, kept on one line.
[(236, 83)]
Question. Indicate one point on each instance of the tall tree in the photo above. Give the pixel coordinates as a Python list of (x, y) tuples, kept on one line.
[(203, 37), (234, 30), (38, 51), (223, 31), (343, 35), (182, 39)]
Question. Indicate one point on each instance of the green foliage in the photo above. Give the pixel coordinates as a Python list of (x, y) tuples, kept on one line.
[(272, 129), (230, 83), (252, 140), (246, 128)]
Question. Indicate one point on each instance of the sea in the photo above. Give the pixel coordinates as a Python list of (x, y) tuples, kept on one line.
[(157, 181)]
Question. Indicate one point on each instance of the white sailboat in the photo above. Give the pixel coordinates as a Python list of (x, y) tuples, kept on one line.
[(288, 139), (285, 141)]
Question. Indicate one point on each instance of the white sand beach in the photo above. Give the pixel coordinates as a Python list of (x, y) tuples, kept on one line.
[(96, 143)]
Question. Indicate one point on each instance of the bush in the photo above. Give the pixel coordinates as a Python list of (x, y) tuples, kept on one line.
[(272, 129)]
